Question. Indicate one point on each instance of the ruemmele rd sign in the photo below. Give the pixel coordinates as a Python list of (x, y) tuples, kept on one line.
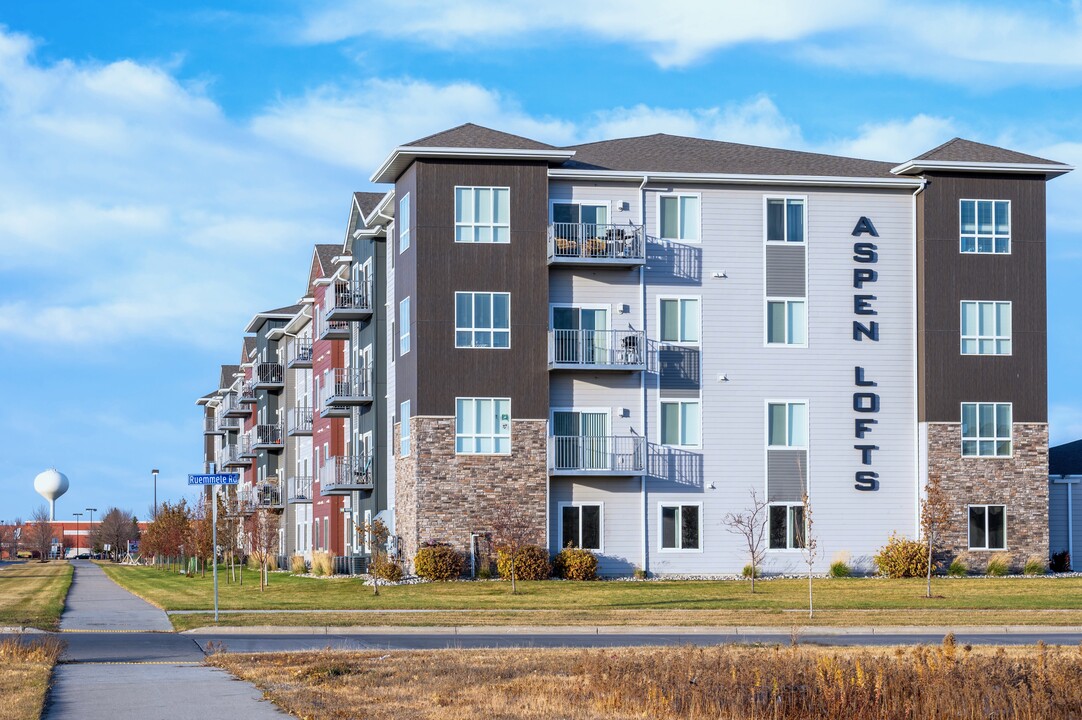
[(214, 479)]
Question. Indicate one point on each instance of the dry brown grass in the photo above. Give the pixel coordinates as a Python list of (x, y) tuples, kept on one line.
[(26, 667), (730, 682)]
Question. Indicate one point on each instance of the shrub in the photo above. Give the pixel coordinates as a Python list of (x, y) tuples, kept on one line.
[(998, 565), (484, 571), (1035, 565), (840, 569), (746, 572), (531, 563), (385, 568), (959, 566), (902, 558), (1061, 561), (638, 573), (438, 562), (297, 566), (322, 564), (574, 564)]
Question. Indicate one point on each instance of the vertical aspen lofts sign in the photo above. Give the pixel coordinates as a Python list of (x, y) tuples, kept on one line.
[(865, 329)]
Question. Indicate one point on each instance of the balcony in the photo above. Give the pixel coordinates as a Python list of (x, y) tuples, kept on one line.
[(267, 495), (226, 424), (232, 407), (348, 301), (299, 489), (299, 421), (587, 455), (247, 392), (245, 441), (268, 437), (622, 350), (268, 376), (595, 244), (210, 426), (345, 388), (342, 474), (330, 329), (300, 354), (234, 456)]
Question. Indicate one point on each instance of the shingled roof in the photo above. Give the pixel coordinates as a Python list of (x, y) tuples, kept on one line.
[(226, 379), (326, 255), (367, 201), (249, 347), (960, 150), (1065, 459), (476, 136)]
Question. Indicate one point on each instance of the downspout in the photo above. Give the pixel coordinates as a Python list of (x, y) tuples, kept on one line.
[(1070, 528), (642, 376), (920, 471)]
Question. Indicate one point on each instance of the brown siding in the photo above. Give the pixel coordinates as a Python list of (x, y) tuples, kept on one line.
[(442, 267), (945, 277), (405, 285)]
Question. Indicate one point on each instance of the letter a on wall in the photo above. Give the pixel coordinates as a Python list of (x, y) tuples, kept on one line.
[(864, 225)]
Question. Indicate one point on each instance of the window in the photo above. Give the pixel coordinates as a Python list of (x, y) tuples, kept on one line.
[(679, 320), (580, 526), (404, 223), (404, 429), (482, 215), (316, 534), (785, 220), (786, 526), (681, 527), (787, 425), (568, 213), (678, 217), (987, 527), (482, 320), (404, 326), (986, 328), (786, 322), (986, 429), (985, 226), (680, 423), (483, 426)]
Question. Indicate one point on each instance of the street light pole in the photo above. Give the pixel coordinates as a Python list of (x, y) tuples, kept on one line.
[(90, 529), (78, 541), (154, 472)]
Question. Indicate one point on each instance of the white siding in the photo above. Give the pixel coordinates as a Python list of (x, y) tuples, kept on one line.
[(621, 518)]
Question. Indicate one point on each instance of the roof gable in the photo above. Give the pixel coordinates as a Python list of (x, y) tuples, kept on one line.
[(1065, 459), (469, 135), (962, 150)]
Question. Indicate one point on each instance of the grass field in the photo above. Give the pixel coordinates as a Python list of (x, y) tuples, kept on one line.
[(32, 594), (777, 602), (784, 683), (26, 666)]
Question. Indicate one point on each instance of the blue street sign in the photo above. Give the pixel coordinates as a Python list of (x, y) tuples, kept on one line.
[(214, 479)]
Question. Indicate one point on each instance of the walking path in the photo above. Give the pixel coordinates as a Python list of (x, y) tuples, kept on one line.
[(158, 676)]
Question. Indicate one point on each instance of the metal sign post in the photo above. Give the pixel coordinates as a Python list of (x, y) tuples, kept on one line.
[(214, 479)]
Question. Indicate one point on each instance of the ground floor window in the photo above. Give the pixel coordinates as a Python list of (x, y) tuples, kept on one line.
[(580, 526), (987, 527), (681, 527), (786, 526)]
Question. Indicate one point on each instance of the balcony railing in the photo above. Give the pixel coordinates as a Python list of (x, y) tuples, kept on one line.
[(236, 455), (299, 421), (342, 474), (593, 455), (299, 489), (596, 244), (248, 448), (299, 354), (268, 437), (344, 388), (330, 329), (210, 426), (267, 494), (597, 349), (268, 375), (226, 424), (348, 300), (232, 407), (247, 392)]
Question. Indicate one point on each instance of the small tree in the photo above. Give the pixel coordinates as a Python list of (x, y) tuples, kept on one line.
[(116, 529), (935, 512), (750, 525), (39, 535), (377, 534), (809, 548), (512, 530), (16, 538), (261, 527)]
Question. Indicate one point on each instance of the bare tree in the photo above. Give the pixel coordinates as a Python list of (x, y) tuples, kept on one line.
[(512, 531), (7, 532), (377, 534), (16, 539), (116, 529), (750, 525), (935, 512), (809, 548), (39, 535), (262, 530)]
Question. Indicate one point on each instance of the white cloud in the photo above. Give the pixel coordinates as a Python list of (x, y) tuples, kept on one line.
[(1065, 424), (895, 140)]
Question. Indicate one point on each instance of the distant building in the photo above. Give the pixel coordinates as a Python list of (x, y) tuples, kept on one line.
[(1065, 499)]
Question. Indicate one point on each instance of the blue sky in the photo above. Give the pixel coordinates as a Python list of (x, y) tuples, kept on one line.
[(165, 167)]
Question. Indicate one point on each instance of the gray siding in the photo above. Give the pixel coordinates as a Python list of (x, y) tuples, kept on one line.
[(621, 519), (786, 475), (785, 271)]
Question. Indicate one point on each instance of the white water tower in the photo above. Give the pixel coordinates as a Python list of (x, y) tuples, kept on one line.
[(51, 484)]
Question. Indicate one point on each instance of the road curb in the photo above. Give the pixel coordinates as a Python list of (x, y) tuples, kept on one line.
[(16, 629)]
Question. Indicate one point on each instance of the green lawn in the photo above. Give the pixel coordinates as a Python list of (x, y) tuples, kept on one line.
[(32, 593), (176, 592)]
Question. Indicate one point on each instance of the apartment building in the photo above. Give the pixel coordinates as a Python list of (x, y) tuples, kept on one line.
[(622, 341)]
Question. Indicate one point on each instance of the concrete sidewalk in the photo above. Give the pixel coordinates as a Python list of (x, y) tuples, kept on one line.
[(97, 603)]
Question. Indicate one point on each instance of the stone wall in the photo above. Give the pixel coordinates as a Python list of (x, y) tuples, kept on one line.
[(1019, 482), (445, 497)]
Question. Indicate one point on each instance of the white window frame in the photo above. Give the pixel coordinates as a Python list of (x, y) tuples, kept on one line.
[(601, 522), (978, 438), (680, 304), (986, 547), (680, 522), (790, 546), (680, 400), (405, 440), (678, 194), (404, 223), (766, 321), (474, 224), (976, 244), (788, 426), (404, 325), (495, 433), (471, 329), (996, 339), (785, 215)]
